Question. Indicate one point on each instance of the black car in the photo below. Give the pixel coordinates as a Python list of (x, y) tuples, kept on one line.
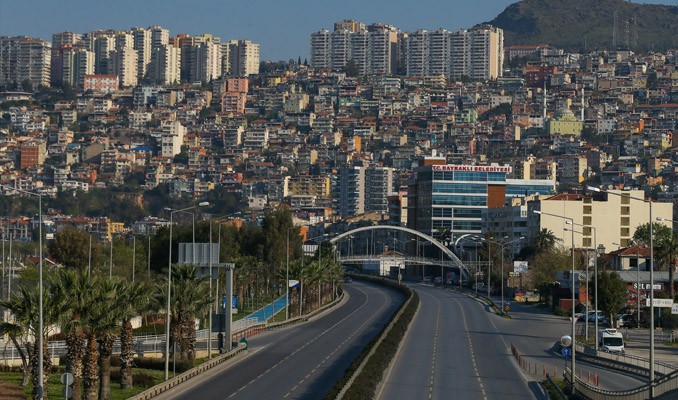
[(627, 321), (348, 279)]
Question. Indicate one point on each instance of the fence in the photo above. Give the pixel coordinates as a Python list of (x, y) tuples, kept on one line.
[(143, 344)]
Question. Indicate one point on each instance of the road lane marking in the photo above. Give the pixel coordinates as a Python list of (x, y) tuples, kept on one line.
[(346, 339)]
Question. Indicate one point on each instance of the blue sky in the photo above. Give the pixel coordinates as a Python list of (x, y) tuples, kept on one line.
[(282, 28)]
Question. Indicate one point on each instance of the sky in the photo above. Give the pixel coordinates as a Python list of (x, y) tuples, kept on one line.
[(282, 28)]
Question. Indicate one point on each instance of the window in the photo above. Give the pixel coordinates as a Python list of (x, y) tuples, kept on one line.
[(587, 210), (467, 212), (626, 211), (625, 199), (587, 242), (587, 220), (625, 221), (624, 232), (587, 231)]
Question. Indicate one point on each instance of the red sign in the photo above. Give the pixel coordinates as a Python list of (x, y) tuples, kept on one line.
[(474, 168)]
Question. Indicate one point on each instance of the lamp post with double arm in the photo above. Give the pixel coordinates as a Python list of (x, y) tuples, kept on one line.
[(649, 202), (572, 289), (169, 283), (41, 369)]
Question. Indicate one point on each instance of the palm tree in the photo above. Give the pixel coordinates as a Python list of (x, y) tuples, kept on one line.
[(23, 304), (106, 325), (135, 299), (544, 240), (100, 320), (190, 297), (17, 333), (667, 252), (73, 289)]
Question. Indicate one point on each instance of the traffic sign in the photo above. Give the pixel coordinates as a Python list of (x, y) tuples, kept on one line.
[(67, 378), (566, 351), (660, 303), (647, 286), (674, 308), (511, 273)]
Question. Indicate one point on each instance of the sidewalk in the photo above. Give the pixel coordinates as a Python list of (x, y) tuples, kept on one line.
[(638, 344), (269, 310)]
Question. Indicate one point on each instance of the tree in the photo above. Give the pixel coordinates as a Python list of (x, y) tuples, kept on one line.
[(71, 248), (611, 293), (665, 246), (74, 289), (351, 69), (135, 299), (23, 304), (545, 266)]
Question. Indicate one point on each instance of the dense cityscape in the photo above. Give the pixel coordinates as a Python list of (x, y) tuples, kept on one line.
[(496, 152)]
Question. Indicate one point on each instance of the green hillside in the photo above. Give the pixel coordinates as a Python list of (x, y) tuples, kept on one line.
[(578, 25)]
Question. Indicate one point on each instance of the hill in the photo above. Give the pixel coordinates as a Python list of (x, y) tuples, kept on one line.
[(587, 25)]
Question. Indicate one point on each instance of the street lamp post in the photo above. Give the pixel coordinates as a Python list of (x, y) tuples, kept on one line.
[(649, 202), (595, 283), (502, 264), (169, 285), (40, 290), (134, 255), (572, 289)]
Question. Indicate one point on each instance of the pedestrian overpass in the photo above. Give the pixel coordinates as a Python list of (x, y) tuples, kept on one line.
[(386, 248)]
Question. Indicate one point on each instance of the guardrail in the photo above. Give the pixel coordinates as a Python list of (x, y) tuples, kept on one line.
[(665, 387), (191, 373), (556, 388), (624, 362)]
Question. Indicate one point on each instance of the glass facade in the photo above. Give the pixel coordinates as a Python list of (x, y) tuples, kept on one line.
[(453, 197)]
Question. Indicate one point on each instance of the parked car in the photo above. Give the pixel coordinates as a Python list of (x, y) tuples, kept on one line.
[(428, 279), (592, 316), (348, 279), (627, 321), (438, 280)]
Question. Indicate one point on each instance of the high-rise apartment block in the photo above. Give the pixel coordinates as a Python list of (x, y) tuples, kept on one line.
[(372, 49), (75, 64), (24, 59), (243, 58), (165, 66), (379, 49)]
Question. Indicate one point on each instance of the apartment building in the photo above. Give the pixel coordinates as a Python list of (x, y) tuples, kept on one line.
[(377, 49), (612, 218), (24, 59), (76, 63), (125, 64), (348, 191), (165, 66), (243, 58)]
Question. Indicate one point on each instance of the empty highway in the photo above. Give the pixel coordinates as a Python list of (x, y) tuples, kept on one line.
[(302, 361)]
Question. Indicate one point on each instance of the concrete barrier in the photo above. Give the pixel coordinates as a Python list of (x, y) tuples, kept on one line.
[(191, 373)]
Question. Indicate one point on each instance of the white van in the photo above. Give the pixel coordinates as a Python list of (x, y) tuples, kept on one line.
[(611, 340)]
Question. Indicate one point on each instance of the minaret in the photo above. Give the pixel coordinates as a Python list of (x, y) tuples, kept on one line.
[(544, 108), (582, 104)]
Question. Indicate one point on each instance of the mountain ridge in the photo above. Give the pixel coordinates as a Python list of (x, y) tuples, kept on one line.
[(586, 25)]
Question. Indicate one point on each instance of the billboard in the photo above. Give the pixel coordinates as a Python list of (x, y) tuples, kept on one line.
[(520, 267)]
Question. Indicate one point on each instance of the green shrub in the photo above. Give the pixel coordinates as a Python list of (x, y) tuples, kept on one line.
[(138, 379), (159, 364), (365, 383)]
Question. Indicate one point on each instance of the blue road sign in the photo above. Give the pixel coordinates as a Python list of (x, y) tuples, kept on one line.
[(566, 351)]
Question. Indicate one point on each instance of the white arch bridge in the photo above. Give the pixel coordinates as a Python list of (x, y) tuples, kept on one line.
[(396, 246)]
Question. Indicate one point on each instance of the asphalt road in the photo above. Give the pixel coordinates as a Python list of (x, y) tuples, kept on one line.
[(534, 333), (302, 361), (454, 350)]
